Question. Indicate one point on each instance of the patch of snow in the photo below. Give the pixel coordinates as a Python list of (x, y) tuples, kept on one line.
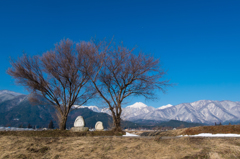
[(212, 135), (129, 134), (15, 129), (146, 111)]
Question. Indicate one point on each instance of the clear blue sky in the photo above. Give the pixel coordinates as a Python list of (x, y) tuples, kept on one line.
[(198, 41)]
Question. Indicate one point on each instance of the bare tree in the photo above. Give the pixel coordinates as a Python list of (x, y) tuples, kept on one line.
[(117, 73), (58, 75)]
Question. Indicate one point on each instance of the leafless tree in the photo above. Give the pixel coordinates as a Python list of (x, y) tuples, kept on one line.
[(58, 75), (117, 73)]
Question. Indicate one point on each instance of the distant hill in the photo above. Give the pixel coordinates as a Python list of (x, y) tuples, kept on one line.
[(176, 123), (7, 95), (17, 109), (170, 123)]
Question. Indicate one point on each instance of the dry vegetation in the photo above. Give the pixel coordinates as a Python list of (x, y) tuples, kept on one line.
[(224, 129), (117, 147), (74, 145), (59, 133)]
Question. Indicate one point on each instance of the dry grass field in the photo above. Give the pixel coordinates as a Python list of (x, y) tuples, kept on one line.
[(224, 129), (20, 145)]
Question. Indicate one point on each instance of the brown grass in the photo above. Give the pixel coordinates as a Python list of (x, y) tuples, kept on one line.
[(118, 147), (224, 129), (60, 133), (176, 132), (19, 145)]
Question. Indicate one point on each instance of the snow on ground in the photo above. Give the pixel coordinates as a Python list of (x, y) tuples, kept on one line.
[(15, 129), (198, 135), (129, 134), (212, 135)]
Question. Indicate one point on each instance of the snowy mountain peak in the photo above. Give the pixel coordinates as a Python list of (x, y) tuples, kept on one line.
[(9, 92), (138, 105), (8, 95), (165, 106), (93, 108), (200, 103)]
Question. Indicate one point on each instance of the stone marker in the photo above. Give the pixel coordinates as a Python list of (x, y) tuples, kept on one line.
[(99, 126), (79, 122), (79, 125)]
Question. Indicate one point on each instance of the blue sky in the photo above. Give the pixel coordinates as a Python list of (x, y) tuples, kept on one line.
[(198, 41)]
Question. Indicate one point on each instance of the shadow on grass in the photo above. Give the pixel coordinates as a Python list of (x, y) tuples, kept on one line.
[(59, 133)]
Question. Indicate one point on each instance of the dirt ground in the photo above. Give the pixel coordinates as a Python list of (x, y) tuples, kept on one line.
[(118, 147)]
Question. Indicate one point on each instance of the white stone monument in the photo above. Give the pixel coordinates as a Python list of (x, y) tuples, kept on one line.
[(79, 125), (79, 122), (99, 126)]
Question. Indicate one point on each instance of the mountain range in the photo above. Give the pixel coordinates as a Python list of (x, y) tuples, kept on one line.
[(16, 109), (202, 111)]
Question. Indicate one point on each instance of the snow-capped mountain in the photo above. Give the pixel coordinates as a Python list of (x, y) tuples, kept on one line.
[(203, 111), (9, 92), (165, 106), (131, 112), (136, 111), (137, 105), (93, 108), (7, 95)]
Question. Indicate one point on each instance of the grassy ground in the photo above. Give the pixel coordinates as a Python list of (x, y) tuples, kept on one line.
[(59, 133), (224, 129), (63, 145), (115, 147)]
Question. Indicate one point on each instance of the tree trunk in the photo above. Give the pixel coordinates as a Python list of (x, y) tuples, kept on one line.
[(116, 120), (117, 123), (62, 125)]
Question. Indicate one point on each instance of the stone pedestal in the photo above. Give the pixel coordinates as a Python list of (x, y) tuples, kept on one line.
[(79, 129)]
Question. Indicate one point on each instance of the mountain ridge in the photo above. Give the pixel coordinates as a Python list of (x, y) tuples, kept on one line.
[(202, 111)]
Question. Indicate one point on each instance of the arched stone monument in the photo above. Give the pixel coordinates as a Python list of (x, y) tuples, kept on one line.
[(79, 122), (99, 126), (79, 125)]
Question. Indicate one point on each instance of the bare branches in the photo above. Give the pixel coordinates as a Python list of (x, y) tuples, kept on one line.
[(116, 73), (74, 73), (58, 75)]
